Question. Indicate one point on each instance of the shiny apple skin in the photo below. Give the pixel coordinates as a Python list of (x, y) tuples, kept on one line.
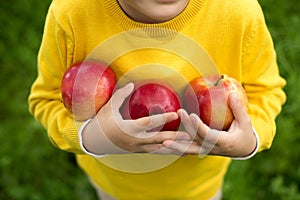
[(150, 98), (86, 87), (208, 98)]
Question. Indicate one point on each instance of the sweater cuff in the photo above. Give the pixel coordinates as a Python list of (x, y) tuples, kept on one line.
[(82, 127), (255, 150)]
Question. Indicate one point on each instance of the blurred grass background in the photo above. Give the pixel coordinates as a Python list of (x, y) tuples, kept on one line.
[(31, 168)]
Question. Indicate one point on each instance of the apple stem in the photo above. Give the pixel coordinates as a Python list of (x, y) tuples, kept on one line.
[(218, 81)]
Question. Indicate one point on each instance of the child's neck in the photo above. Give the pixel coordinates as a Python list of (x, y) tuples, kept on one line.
[(150, 11)]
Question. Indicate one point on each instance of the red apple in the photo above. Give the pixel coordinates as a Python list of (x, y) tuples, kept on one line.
[(150, 98), (86, 87), (208, 97)]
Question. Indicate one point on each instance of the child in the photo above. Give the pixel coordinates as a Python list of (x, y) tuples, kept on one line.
[(120, 160)]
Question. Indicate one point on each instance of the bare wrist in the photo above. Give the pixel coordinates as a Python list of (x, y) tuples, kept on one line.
[(253, 153), (94, 142)]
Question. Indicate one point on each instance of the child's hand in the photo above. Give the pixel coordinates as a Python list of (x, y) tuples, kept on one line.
[(238, 141), (109, 133)]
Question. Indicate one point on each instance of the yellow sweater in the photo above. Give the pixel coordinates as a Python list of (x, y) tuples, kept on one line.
[(234, 35)]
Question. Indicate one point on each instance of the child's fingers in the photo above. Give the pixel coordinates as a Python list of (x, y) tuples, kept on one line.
[(191, 147), (188, 125), (120, 95), (237, 108), (117, 101), (153, 121), (162, 150), (202, 128), (186, 147), (208, 138)]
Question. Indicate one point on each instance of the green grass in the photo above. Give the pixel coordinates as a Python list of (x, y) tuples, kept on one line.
[(31, 168)]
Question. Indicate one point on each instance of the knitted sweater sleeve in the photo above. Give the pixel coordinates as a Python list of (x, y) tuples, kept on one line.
[(55, 55), (262, 80)]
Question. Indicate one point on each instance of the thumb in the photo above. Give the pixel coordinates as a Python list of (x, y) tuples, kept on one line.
[(237, 108), (121, 94)]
